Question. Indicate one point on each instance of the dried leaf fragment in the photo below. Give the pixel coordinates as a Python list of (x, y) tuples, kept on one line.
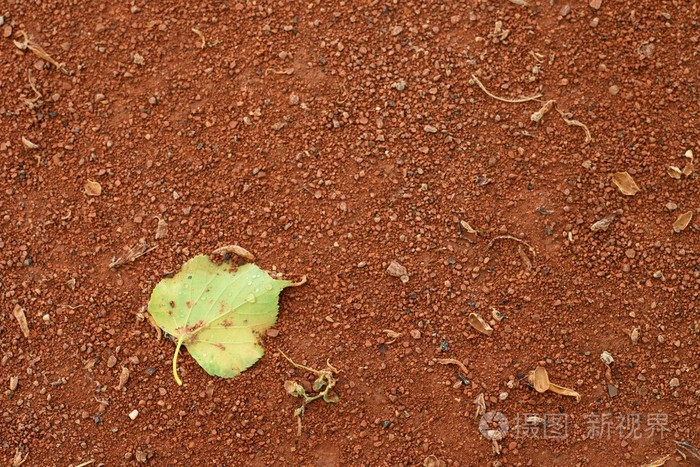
[(161, 229), (497, 315), (625, 183), (658, 462), (123, 378), (93, 188), (28, 144), (21, 319), (602, 224), (132, 255), (682, 221), (468, 228), (688, 451), (688, 169), (540, 381), (478, 323), (674, 172), (634, 335), (480, 403)]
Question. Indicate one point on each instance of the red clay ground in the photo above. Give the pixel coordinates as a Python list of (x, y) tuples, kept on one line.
[(330, 141)]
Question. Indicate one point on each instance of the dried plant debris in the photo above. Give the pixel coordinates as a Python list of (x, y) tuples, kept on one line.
[(200, 34), (689, 452), (625, 183), (453, 361), (658, 462), (323, 385), (480, 403), (497, 315), (676, 172), (433, 461), (634, 335), (690, 165), (602, 224), (228, 250), (682, 222), (161, 228), (537, 116), (391, 335), (123, 379), (132, 255), (397, 270), (539, 379), (26, 42), (92, 188), (528, 263), (503, 99), (28, 144), (478, 323), (21, 319), (18, 460), (467, 228), (571, 122)]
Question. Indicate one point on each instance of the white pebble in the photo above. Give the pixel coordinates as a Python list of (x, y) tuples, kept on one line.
[(133, 414)]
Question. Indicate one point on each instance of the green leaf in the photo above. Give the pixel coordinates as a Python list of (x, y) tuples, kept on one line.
[(217, 312)]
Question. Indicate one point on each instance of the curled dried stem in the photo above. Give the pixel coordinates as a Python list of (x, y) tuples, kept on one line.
[(36, 49), (201, 37), (516, 100), (453, 361)]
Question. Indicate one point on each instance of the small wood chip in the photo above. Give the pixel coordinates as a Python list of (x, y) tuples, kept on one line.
[(674, 172), (22, 320)]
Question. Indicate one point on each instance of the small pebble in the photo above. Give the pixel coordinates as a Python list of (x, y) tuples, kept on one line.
[(674, 383), (630, 253), (613, 90), (111, 361), (133, 414), (595, 4), (430, 129), (396, 30), (415, 333), (272, 332)]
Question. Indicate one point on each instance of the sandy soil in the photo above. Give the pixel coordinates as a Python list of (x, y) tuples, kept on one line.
[(330, 139)]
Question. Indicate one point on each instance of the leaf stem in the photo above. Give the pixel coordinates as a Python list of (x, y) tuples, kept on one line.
[(177, 351)]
